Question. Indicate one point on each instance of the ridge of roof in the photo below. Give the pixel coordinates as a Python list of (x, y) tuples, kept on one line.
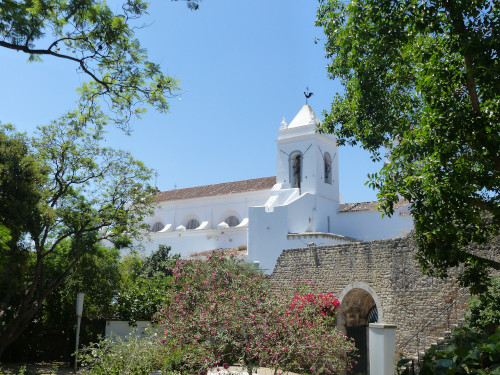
[(367, 206), (224, 188), (225, 252)]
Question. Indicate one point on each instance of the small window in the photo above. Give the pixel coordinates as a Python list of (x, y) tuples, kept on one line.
[(328, 168), (156, 227), (232, 221), (192, 224), (295, 169)]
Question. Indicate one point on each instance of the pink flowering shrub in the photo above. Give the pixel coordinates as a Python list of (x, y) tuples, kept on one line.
[(223, 312)]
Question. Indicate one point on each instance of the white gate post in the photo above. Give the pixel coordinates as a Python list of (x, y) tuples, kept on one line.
[(382, 348), (79, 312)]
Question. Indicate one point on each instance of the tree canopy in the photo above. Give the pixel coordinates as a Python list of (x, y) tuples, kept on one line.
[(62, 191), (50, 334), (76, 194), (100, 43), (144, 284), (422, 81)]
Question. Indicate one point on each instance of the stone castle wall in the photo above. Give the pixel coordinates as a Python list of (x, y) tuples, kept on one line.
[(387, 269)]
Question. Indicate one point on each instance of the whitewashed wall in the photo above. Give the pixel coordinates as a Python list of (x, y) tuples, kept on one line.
[(370, 225), (122, 329), (210, 212), (193, 241)]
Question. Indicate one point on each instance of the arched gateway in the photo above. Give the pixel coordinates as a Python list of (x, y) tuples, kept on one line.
[(359, 306)]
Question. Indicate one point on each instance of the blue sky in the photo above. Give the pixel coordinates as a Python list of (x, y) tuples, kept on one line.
[(242, 66)]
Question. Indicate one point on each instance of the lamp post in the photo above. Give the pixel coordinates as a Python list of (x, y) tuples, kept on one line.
[(79, 310)]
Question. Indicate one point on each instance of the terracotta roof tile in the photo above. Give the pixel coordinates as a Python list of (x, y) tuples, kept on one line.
[(265, 183), (226, 252), (367, 206)]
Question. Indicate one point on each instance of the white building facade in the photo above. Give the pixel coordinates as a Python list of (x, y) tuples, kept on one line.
[(297, 208)]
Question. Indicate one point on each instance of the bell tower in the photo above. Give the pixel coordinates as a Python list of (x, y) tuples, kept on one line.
[(307, 160), (304, 203)]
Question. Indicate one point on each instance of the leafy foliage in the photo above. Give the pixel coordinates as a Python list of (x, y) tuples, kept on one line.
[(422, 80), (160, 262), (225, 312), (467, 353), (404, 367), (144, 284), (20, 176), (130, 356), (483, 314), (75, 193), (96, 274), (5, 237), (475, 348), (192, 4), (50, 334), (99, 42), (63, 191)]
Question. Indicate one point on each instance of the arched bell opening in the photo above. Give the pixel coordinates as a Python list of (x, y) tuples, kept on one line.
[(327, 168), (295, 162)]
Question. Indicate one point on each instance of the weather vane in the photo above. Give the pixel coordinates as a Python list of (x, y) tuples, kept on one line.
[(307, 94)]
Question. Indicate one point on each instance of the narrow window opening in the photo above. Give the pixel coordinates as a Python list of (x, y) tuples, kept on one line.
[(328, 168), (296, 170)]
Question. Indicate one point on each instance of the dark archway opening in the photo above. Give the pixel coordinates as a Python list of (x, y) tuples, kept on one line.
[(357, 311)]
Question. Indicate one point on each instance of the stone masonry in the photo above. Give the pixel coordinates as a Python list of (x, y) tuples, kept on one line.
[(384, 274)]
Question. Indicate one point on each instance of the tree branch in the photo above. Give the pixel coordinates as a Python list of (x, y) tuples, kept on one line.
[(460, 28), (483, 205), (490, 262), (81, 63)]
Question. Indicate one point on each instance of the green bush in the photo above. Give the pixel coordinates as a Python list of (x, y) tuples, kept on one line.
[(132, 355), (483, 313), (466, 353), (220, 312), (50, 335), (223, 312), (144, 283)]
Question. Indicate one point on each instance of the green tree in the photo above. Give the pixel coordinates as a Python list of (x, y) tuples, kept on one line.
[(144, 284), (63, 185), (20, 176), (483, 314), (50, 334), (99, 42), (466, 352), (160, 261), (87, 193), (422, 80), (4, 237)]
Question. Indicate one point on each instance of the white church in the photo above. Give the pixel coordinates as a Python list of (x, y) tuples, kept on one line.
[(298, 207)]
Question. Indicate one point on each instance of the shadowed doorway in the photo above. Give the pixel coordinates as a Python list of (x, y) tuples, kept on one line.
[(357, 310)]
